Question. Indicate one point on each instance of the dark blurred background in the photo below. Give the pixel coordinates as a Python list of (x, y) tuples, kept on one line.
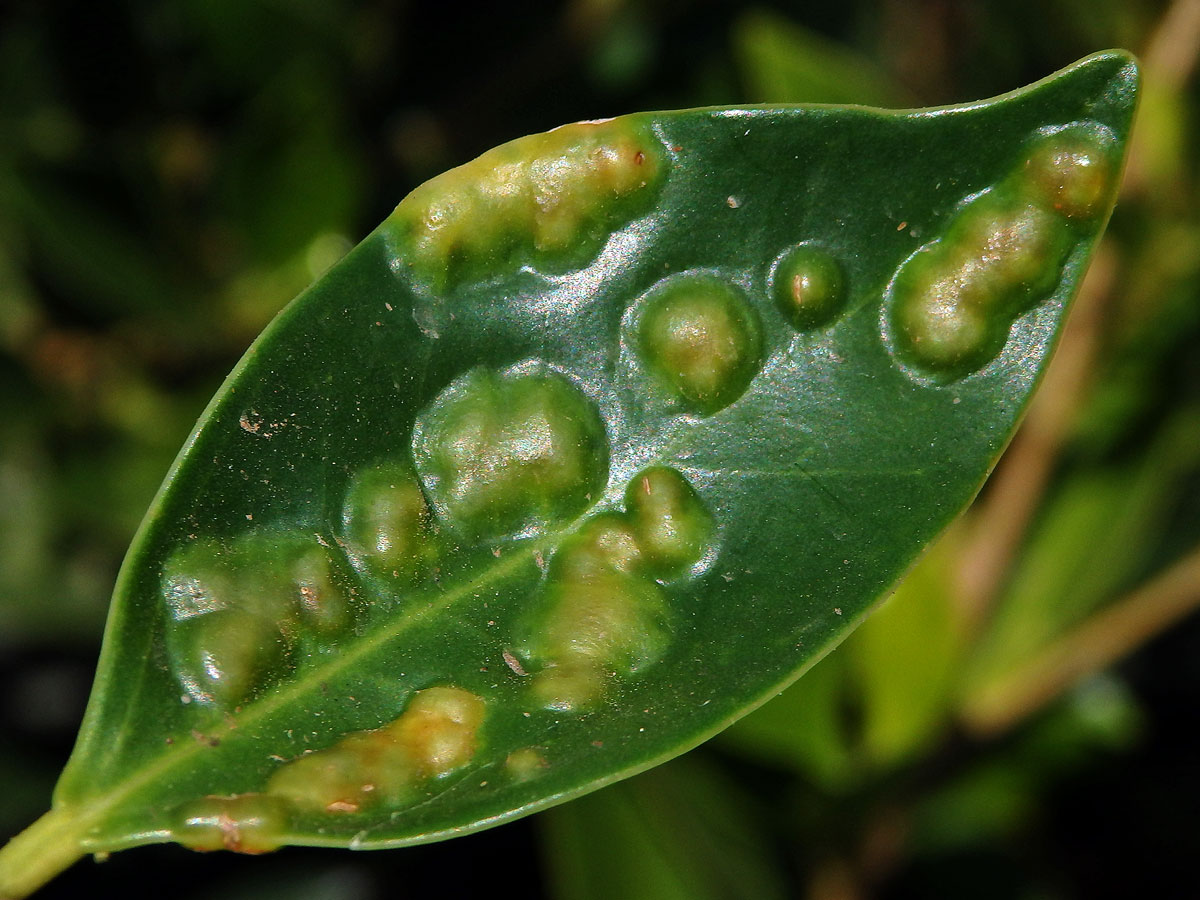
[(1017, 722)]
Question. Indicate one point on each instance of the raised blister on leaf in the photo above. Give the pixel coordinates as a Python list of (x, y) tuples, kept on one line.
[(955, 300), (387, 521), (549, 199), (702, 339), (244, 823), (507, 453), (808, 285)]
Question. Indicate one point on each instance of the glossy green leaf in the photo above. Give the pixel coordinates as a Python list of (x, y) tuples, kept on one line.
[(595, 444)]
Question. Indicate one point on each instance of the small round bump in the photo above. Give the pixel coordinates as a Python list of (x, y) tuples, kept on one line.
[(387, 522), (1072, 171), (702, 339), (673, 527), (525, 764), (221, 658), (808, 286), (941, 331)]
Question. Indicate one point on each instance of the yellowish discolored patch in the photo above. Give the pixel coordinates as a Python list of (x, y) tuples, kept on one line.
[(549, 199), (954, 301), (436, 734), (510, 453), (603, 615), (387, 522), (673, 527), (702, 339), (525, 764), (243, 823), (437, 731)]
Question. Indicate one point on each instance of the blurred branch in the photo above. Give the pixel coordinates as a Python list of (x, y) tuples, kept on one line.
[(1102, 640), (1169, 60)]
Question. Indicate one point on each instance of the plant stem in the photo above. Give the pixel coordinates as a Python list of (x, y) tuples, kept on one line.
[(44, 849), (1106, 637)]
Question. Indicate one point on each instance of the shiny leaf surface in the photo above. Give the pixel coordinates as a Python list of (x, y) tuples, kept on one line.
[(593, 445)]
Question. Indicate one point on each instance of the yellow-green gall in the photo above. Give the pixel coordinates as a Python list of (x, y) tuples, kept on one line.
[(808, 286), (1072, 171), (243, 823), (548, 199), (599, 622), (221, 658), (1010, 250), (606, 541), (673, 527), (505, 454), (436, 734), (702, 339), (954, 302), (387, 522), (439, 729), (234, 610), (938, 325)]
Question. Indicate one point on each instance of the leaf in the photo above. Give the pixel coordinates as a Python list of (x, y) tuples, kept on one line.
[(595, 444), (679, 831), (781, 61)]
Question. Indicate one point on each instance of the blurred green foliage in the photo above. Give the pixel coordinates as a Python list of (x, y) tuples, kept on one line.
[(172, 173)]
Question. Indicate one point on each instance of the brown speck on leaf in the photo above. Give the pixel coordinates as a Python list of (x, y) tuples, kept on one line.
[(251, 422), (342, 806), (901, 226), (513, 663), (201, 738), (645, 485), (170, 741), (496, 552), (597, 743), (837, 610), (639, 158)]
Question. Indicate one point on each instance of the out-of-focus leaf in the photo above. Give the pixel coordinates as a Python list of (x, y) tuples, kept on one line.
[(782, 62), (805, 728), (680, 831), (1092, 540), (906, 659)]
